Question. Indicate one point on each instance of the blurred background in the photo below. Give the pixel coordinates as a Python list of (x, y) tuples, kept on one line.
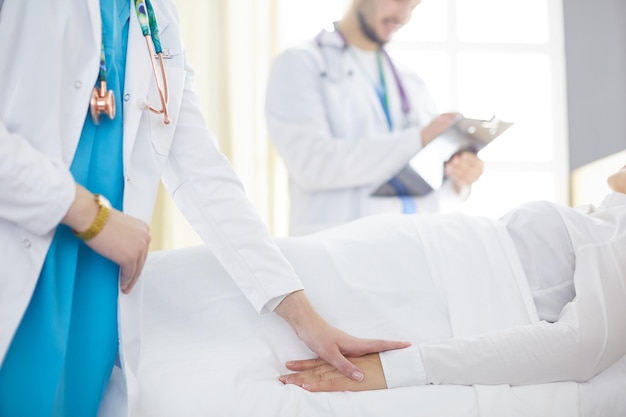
[(557, 68)]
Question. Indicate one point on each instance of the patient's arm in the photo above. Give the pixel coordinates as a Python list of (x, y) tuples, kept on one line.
[(317, 375), (587, 338)]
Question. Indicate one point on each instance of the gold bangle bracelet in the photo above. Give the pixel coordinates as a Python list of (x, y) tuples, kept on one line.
[(104, 212)]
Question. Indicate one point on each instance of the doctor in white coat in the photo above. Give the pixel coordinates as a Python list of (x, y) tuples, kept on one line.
[(346, 119), (48, 74)]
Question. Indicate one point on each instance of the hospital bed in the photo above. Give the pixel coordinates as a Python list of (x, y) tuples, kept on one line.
[(205, 352)]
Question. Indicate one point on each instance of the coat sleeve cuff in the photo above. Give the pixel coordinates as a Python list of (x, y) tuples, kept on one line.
[(403, 367), (273, 303)]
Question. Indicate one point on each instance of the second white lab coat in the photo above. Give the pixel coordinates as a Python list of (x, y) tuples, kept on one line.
[(49, 67), (326, 121)]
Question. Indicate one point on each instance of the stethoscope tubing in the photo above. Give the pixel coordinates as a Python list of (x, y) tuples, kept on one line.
[(404, 100)]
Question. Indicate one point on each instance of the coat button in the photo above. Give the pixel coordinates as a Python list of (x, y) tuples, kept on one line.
[(126, 97), (78, 84), (27, 243)]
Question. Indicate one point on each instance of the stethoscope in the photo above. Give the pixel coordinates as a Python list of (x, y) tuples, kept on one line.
[(406, 106), (103, 100)]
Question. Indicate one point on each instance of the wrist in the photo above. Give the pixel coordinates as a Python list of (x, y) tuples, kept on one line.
[(296, 310), (88, 214), (83, 210), (104, 212)]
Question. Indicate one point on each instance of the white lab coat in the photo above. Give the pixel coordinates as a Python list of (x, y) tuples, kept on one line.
[(327, 123), (49, 67)]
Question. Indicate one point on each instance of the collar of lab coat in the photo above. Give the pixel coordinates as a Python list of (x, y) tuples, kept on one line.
[(330, 37), (335, 46)]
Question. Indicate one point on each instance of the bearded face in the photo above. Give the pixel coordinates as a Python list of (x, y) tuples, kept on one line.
[(379, 19)]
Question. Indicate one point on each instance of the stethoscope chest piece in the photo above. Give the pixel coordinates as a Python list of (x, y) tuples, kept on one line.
[(102, 101)]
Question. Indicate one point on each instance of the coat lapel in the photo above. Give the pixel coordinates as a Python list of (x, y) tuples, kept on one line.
[(139, 78), (137, 82), (334, 40), (96, 21)]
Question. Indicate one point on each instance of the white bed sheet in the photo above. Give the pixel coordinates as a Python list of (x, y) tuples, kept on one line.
[(205, 352)]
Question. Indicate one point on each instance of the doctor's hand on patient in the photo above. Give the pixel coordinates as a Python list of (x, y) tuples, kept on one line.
[(329, 343), (317, 375), (123, 239)]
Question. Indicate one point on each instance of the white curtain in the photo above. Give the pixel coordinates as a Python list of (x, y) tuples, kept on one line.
[(231, 44)]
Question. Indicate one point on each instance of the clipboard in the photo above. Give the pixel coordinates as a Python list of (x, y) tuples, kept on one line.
[(482, 132), (425, 171)]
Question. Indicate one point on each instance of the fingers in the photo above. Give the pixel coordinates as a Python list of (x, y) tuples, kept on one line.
[(125, 240), (464, 169), (325, 378), (360, 348), (344, 366), (128, 285), (366, 346), (304, 365), (127, 277)]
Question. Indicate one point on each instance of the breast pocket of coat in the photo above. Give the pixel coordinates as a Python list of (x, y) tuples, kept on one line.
[(162, 133)]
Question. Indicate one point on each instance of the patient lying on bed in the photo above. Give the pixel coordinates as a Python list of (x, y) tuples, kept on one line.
[(543, 289), (575, 265)]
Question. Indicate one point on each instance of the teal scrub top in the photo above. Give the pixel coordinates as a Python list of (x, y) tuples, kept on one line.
[(62, 355)]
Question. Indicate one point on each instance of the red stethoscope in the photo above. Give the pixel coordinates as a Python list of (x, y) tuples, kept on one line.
[(103, 100)]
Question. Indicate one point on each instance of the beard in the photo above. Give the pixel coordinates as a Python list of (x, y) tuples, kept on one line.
[(368, 30)]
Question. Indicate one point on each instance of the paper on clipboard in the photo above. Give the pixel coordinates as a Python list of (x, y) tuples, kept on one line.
[(425, 171)]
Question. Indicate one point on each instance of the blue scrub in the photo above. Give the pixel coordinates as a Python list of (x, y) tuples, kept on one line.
[(62, 354)]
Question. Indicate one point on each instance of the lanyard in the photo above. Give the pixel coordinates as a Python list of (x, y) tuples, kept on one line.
[(408, 205), (148, 23), (380, 87), (383, 95), (102, 99)]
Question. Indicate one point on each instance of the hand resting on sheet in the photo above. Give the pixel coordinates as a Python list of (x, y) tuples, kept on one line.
[(317, 375)]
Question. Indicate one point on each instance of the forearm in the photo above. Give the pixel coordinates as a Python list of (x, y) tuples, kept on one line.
[(209, 194), (526, 355), (83, 210), (36, 191), (586, 340), (298, 312), (318, 161)]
